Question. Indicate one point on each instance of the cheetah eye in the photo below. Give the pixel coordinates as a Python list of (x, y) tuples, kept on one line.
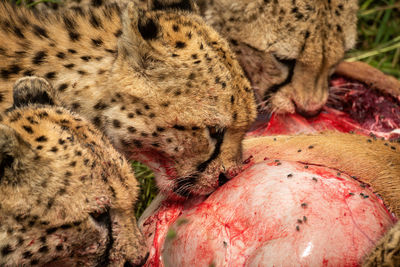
[(289, 63), (102, 218), (214, 132)]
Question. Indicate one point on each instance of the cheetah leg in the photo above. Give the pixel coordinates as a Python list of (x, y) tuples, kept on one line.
[(128, 240)]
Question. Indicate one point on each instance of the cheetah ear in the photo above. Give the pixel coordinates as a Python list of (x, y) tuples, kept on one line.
[(137, 27), (202, 4), (33, 90), (15, 154), (179, 5)]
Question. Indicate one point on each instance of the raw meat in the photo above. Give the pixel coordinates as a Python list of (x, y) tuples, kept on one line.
[(372, 110), (352, 107)]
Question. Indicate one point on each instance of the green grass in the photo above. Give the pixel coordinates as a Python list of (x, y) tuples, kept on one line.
[(30, 3), (379, 35), (148, 189)]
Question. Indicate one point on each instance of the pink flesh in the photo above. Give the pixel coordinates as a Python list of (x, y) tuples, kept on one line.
[(329, 119), (252, 220)]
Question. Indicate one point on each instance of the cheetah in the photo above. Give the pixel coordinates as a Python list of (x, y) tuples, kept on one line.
[(163, 86), (288, 49), (66, 196), (376, 161)]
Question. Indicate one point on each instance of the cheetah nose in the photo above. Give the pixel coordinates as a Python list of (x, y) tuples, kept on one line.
[(222, 179), (307, 113)]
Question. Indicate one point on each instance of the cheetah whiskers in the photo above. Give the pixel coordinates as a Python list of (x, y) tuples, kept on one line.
[(266, 105), (184, 185), (336, 93)]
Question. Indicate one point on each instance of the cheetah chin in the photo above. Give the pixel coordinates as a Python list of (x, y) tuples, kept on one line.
[(183, 187)]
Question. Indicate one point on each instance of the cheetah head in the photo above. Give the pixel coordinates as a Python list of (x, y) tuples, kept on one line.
[(287, 48), (185, 105), (66, 196)]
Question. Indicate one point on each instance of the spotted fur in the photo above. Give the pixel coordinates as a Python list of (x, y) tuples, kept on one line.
[(66, 196), (287, 48), (387, 252), (163, 86)]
